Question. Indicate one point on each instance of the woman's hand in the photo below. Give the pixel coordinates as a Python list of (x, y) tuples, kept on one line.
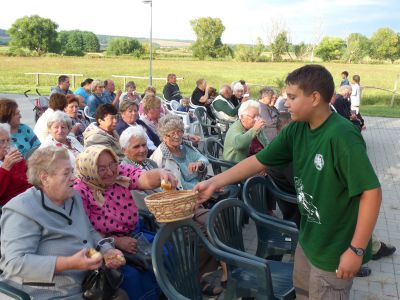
[(114, 259), (195, 139), (81, 261), (11, 159), (194, 167), (75, 128), (126, 243), (168, 177)]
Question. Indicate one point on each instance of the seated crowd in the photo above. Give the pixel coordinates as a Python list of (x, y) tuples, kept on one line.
[(94, 175)]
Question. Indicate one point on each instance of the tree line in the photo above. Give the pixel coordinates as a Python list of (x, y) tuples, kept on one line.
[(40, 35)]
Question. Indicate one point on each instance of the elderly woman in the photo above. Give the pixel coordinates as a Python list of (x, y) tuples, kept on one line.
[(22, 135), (45, 233), (187, 164), (129, 118), (269, 112), (151, 115), (59, 125), (134, 145), (104, 186), (96, 98), (79, 122), (103, 131), (241, 133), (12, 168), (238, 93), (131, 93), (57, 102)]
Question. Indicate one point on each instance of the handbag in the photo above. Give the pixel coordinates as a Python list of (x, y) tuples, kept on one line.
[(101, 284)]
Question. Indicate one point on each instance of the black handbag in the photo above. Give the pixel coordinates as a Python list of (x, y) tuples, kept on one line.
[(101, 284)]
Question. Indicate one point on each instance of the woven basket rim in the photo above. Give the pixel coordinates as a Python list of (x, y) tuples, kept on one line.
[(181, 194)]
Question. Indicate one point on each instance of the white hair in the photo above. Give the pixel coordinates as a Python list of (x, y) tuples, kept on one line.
[(246, 105), (96, 83), (127, 134), (58, 117), (345, 88), (5, 127), (237, 87)]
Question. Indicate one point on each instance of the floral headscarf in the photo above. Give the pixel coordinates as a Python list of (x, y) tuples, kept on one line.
[(87, 171)]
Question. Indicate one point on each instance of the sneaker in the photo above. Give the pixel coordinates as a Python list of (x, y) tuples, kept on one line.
[(384, 250), (363, 272)]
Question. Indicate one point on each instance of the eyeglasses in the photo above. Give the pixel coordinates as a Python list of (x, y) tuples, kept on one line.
[(113, 167), (5, 142), (177, 133)]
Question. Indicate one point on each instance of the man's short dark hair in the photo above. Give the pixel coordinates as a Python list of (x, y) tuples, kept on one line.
[(345, 73), (103, 110), (200, 81), (58, 101), (313, 78), (62, 78)]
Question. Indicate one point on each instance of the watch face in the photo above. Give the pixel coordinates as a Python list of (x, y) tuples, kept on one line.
[(360, 252)]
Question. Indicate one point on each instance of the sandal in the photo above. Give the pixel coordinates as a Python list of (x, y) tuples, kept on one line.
[(209, 289)]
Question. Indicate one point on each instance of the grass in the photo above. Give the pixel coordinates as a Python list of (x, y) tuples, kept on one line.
[(13, 80)]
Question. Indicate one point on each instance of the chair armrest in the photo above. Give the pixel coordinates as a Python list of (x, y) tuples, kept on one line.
[(13, 292)]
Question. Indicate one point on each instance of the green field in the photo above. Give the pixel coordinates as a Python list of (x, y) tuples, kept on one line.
[(13, 80)]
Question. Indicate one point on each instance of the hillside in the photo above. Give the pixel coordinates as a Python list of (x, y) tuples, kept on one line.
[(104, 39)]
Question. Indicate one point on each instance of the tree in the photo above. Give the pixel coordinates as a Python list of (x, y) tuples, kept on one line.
[(76, 42), (249, 52), (279, 46), (358, 46), (330, 48), (208, 43), (35, 33), (300, 50), (384, 44), (121, 46)]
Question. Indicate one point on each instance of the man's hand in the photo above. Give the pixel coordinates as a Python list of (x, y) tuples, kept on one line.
[(349, 264), (205, 189), (11, 159)]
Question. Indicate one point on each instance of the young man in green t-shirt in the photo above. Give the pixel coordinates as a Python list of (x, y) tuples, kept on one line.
[(338, 192)]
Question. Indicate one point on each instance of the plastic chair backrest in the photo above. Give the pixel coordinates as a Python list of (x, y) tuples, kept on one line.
[(174, 105), (214, 149), (86, 114)]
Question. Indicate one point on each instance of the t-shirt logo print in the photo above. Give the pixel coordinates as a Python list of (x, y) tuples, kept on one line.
[(319, 161), (305, 201)]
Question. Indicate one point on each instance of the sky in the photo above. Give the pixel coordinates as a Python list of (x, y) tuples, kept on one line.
[(244, 20)]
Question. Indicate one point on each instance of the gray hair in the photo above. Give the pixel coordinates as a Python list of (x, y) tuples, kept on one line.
[(224, 87), (267, 91), (169, 123), (5, 127), (127, 104), (96, 83), (59, 117), (345, 88), (246, 105), (237, 87), (130, 132), (43, 161)]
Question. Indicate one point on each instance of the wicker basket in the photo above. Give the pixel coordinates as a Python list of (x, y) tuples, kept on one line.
[(172, 206)]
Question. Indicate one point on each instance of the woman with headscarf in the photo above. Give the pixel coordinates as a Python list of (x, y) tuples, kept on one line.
[(104, 186)]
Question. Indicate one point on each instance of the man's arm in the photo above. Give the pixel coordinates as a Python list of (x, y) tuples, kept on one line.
[(368, 211), (246, 168)]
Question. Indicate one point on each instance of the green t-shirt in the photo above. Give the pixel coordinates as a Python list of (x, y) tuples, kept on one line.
[(331, 171)]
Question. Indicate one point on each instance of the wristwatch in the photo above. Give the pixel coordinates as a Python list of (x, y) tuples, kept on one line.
[(357, 251)]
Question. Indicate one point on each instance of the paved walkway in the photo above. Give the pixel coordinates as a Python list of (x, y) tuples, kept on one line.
[(383, 141)]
